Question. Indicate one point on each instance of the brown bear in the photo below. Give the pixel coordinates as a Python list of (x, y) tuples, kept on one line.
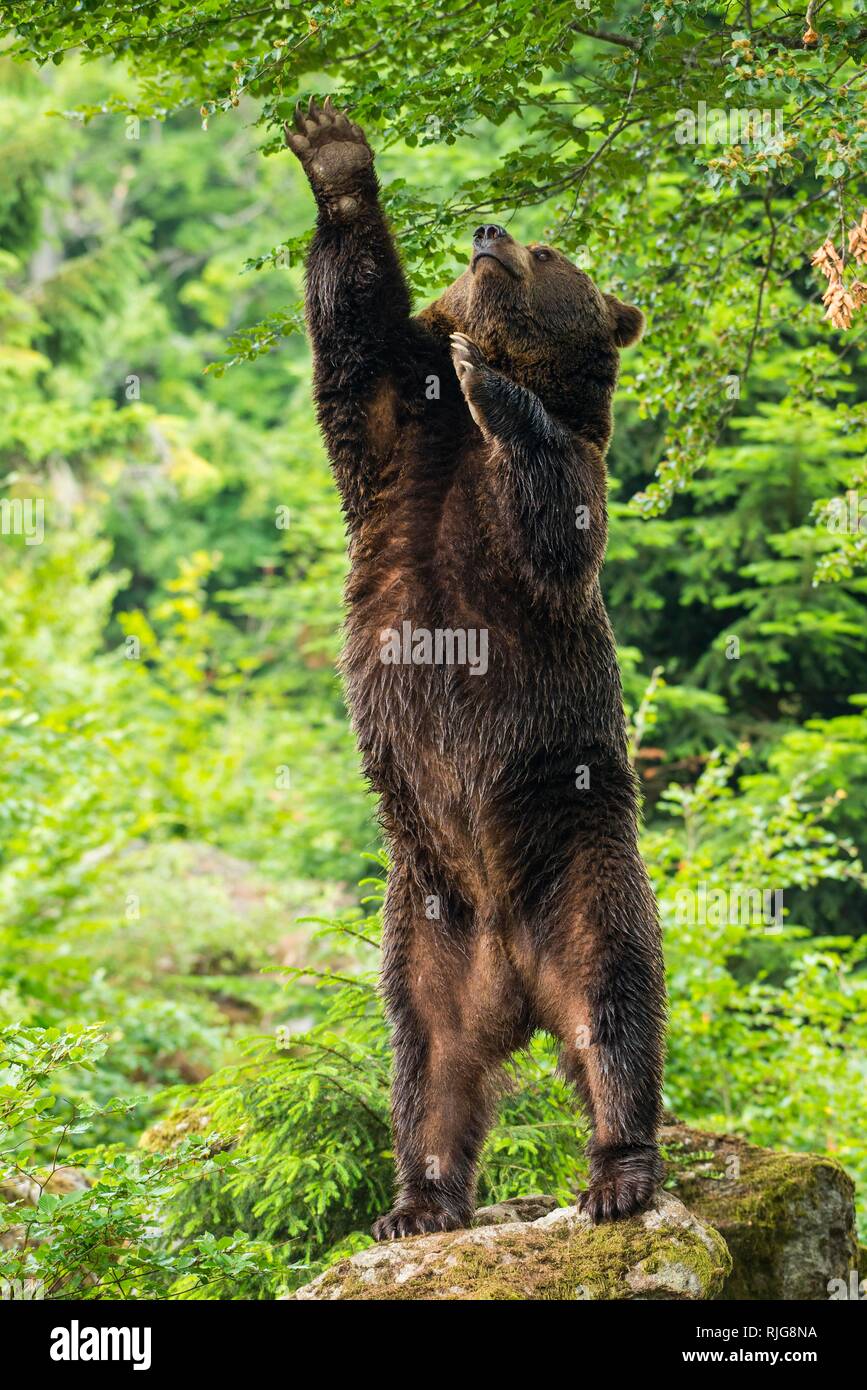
[(468, 444)]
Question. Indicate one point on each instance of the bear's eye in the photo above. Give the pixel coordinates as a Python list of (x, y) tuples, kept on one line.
[(541, 254)]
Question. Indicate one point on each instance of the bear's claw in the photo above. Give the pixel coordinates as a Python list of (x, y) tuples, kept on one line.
[(412, 1221), (614, 1201), (623, 1181), (465, 355), (472, 371)]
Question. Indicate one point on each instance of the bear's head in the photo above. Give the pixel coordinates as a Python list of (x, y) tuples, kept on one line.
[(539, 319)]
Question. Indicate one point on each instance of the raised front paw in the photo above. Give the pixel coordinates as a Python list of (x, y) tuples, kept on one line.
[(333, 151), (412, 1220), (472, 371), (466, 356), (623, 1182)]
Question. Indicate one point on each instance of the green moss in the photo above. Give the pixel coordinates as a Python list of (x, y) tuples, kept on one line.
[(760, 1211), (191, 1123)]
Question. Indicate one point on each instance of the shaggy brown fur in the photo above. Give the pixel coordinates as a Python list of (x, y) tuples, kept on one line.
[(468, 444)]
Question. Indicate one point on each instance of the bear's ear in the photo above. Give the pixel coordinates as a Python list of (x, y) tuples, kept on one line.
[(627, 321)]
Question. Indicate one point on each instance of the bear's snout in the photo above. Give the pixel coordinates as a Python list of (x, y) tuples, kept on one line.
[(491, 231), (493, 242)]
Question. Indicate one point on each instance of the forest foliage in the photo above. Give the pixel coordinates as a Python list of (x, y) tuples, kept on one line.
[(184, 953)]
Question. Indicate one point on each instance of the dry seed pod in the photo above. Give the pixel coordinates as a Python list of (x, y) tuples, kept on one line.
[(858, 240), (839, 306), (827, 260)]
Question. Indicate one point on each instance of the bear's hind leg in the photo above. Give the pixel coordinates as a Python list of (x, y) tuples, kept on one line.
[(597, 975), (608, 959), (456, 1014)]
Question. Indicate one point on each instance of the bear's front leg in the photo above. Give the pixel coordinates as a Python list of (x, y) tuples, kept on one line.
[(547, 488), (502, 410), (357, 301)]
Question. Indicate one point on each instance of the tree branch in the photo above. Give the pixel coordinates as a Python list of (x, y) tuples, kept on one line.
[(623, 40)]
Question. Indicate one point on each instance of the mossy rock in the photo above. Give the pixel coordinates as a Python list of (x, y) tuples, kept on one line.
[(664, 1254), (787, 1218), (167, 1134)]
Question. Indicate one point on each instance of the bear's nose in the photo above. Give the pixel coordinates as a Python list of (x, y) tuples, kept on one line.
[(489, 232)]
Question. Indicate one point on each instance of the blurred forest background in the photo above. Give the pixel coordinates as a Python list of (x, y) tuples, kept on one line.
[(193, 1050)]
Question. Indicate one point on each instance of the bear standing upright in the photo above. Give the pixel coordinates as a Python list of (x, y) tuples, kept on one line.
[(468, 444)]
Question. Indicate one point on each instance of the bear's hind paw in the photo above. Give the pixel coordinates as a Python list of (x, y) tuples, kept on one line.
[(624, 1180), (412, 1221)]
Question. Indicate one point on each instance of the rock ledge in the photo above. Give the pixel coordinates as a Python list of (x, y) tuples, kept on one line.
[(665, 1253)]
